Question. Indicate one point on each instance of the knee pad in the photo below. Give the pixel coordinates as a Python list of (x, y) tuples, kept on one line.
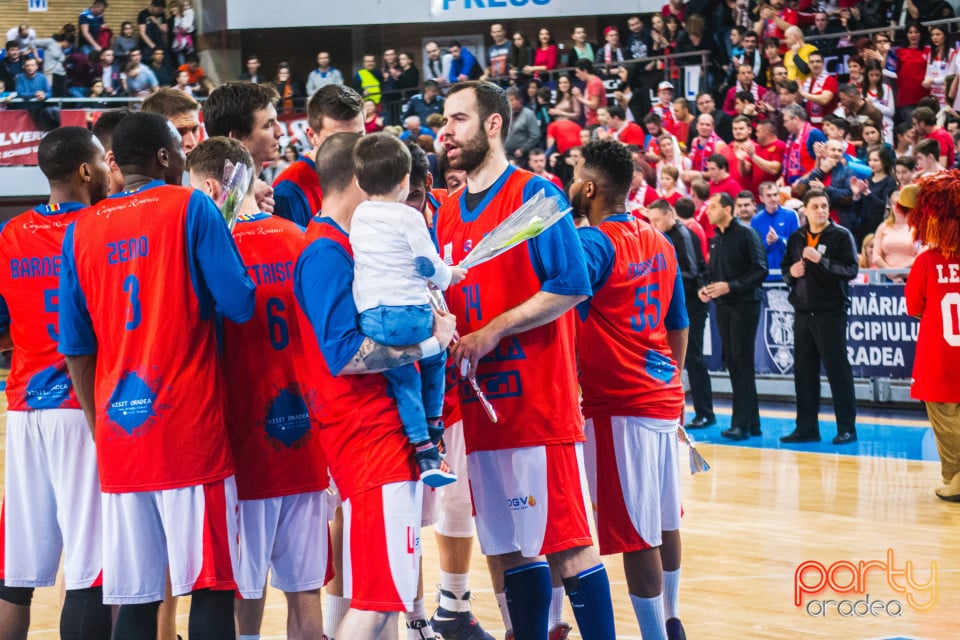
[(455, 520), (20, 596)]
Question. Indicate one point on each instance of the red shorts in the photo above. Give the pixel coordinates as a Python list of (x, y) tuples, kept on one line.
[(192, 530), (634, 475), (381, 547), (529, 499)]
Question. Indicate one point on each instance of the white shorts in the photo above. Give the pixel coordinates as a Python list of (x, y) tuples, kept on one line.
[(381, 547), (449, 508), (52, 501), (638, 497), (193, 530), (289, 534), (529, 499)]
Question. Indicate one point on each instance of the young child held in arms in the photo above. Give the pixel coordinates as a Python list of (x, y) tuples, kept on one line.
[(395, 259)]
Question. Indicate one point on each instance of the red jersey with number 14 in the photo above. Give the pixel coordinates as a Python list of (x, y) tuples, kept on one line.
[(530, 378), (30, 247), (272, 407), (626, 368)]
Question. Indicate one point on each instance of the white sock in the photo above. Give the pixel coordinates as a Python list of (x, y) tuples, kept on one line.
[(504, 611), (671, 594), (418, 612), (334, 609), (649, 613), (458, 585), (556, 607), (418, 615), (256, 637)]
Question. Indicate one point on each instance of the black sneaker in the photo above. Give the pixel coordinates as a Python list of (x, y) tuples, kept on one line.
[(458, 625), (675, 630), (428, 460)]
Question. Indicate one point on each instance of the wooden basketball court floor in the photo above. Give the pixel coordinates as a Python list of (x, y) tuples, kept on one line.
[(762, 511)]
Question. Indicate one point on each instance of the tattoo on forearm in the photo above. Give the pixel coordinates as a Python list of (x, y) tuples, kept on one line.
[(373, 357)]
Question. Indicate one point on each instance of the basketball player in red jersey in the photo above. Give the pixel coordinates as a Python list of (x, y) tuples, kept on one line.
[(521, 516), (52, 492)]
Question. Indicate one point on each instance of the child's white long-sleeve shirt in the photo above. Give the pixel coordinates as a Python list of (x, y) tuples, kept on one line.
[(394, 257)]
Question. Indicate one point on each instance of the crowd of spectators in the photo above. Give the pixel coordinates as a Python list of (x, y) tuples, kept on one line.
[(90, 58), (787, 96)]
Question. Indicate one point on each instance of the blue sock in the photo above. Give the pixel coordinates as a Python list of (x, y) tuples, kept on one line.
[(528, 589), (589, 593)]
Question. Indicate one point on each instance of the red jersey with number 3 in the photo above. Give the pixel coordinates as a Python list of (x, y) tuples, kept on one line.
[(626, 368), (143, 274), (529, 378), (272, 405), (30, 247), (933, 293)]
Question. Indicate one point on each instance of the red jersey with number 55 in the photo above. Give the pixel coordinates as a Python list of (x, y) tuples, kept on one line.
[(626, 366), (933, 293), (29, 282), (142, 274), (272, 407)]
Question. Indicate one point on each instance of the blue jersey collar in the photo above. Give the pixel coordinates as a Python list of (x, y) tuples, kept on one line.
[(149, 185), (620, 217), (469, 216), (58, 209)]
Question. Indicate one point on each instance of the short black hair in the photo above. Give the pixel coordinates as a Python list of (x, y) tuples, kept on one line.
[(334, 101), (685, 208), (719, 160), (63, 150), (139, 137), (928, 147), (746, 193), (814, 193), (419, 165), (584, 64), (336, 174), (491, 99), (924, 115), (660, 204), (725, 199), (616, 111), (106, 123), (380, 161), (745, 96), (231, 106), (610, 160)]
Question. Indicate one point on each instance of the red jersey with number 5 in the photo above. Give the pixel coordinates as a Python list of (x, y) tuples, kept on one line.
[(272, 407), (933, 293), (29, 281)]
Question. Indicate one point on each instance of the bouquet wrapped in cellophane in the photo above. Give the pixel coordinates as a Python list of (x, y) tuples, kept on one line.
[(532, 218), (697, 461), (236, 181)]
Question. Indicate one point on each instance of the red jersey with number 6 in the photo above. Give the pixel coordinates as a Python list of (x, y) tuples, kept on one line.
[(272, 405)]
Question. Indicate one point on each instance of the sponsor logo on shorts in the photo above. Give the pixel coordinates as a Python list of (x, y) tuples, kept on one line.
[(522, 503), (813, 578)]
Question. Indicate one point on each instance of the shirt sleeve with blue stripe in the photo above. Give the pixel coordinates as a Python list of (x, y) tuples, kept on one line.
[(291, 203), (323, 284), (216, 269), (77, 337), (557, 255)]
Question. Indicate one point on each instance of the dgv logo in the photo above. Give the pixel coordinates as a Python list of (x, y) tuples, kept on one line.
[(522, 503)]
